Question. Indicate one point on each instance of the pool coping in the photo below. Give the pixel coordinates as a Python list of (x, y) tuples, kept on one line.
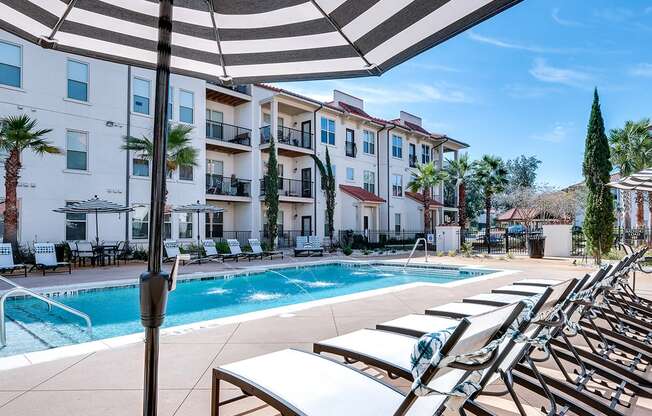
[(37, 357)]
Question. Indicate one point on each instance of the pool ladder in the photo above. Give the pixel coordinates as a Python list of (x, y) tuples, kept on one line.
[(416, 244), (20, 289)]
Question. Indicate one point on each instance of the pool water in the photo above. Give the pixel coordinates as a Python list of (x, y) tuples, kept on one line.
[(115, 311)]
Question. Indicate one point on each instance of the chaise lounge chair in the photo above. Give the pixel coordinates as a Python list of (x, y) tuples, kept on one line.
[(236, 252), (211, 251), (7, 260), (45, 258), (308, 245), (172, 252), (257, 249), (298, 383)]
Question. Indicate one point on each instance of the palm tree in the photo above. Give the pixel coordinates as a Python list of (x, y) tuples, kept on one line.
[(424, 178), (460, 170), (19, 133), (491, 174), (179, 147), (631, 151)]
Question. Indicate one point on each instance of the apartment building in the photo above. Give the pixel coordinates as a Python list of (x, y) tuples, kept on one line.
[(91, 105)]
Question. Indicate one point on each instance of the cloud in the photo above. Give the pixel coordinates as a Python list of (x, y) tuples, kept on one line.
[(559, 133), (565, 22), (641, 70), (547, 73), (522, 91), (508, 45)]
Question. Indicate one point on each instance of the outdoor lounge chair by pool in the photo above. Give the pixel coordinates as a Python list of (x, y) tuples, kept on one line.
[(211, 251), (298, 383), (172, 252), (256, 248), (45, 258), (7, 260), (309, 246), (236, 252)]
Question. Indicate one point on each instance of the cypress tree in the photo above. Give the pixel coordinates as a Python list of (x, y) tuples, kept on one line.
[(271, 194), (599, 216), (328, 185)]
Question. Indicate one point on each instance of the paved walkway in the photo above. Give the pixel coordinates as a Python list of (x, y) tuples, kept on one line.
[(109, 382)]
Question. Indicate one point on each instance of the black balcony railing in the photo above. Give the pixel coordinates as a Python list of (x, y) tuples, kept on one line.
[(218, 235), (413, 161), (285, 238), (228, 133), (287, 135), (351, 149), (290, 187), (227, 185)]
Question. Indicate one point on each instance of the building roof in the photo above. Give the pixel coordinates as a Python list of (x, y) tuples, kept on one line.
[(417, 196), (518, 214), (361, 194)]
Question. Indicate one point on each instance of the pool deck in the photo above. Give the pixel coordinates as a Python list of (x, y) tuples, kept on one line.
[(109, 382)]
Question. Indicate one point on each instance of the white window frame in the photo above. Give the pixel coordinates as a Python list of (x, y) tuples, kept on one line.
[(334, 132), (88, 152), (192, 168), (182, 220), (352, 171), (425, 154), (395, 187), (368, 142), (192, 93), (133, 159), (369, 178), (397, 216), (22, 65), (149, 96), (170, 105), (88, 80), (66, 221), (133, 218), (400, 147)]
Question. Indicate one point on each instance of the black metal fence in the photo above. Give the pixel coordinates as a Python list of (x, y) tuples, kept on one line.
[(227, 185), (373, 239), (228, 133), (290, 187), (500, 241), (286, 135), (242, 237)]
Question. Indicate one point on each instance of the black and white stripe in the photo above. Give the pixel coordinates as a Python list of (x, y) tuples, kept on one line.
[(639, 181), (260, 40)]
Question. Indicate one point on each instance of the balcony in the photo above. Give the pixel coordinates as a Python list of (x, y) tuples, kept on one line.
[(227, 188), (289, 142), (413, 161), (291, 190), (228, 138), (351, 149)]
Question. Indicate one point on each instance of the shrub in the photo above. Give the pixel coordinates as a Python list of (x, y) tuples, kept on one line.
[(466, 249), (440, 254), (366, 252), (139, 254), (510, 255), (347, 251), (222, 247), (614, 254), (452, 253)]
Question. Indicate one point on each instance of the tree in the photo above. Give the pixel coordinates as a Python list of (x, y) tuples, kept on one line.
[(19, 133), (424, 178), (459, 170), (631, 151), (328, 185), (596, 168), (491, 174), (271, 194), (179, 147), (522, 171)]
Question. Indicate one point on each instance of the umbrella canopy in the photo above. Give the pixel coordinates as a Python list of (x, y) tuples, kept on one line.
[(95, 206), (197, 208), (250, 41), (639, 181)]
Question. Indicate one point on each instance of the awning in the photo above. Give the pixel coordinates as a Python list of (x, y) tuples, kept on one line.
[(639, 181), (417, 196), (361, 194)]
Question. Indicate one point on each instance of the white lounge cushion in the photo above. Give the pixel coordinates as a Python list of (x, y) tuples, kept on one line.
[(538, 282), (460, 309), (318, 386), (521, 290), (495, 299), (420, 323)]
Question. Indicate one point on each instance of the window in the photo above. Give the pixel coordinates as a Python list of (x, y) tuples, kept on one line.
[(369, 142), (140, 223), (77, 80), (140, 167), (327, 131), (186, 106), (397, 147), (75, 226), (167, 226), (170, 109), (425, 154), (214, 116), (397, 185), (76, 150), (11, 64), (214, 224), (185, 225), (350, 174), (369, 181), (412, 155), (185, 173), (214, 128), (141, 96), (397, 223), (350, 143)]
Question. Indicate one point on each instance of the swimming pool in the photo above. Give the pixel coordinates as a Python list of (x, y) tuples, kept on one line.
[(115, 311)]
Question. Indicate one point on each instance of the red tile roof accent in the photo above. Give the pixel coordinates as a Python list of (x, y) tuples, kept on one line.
[(516, 214), (361, 194), (417, 196), (353, 110), (417, 128)]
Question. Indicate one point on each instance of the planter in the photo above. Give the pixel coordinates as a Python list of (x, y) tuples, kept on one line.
[(536, 246)]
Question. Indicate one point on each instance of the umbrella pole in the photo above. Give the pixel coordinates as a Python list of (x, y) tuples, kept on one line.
[(198, 240), (154, 283), (97, 232)]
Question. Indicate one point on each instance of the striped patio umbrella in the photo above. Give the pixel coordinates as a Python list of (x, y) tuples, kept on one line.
[(234, 41), (95, 206), (198, 208), (639, 181)]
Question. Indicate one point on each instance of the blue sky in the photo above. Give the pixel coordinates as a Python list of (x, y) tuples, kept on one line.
[(522, 82)]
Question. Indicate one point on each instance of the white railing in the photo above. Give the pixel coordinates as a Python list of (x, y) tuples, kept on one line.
[(416, 243), (19, 289)]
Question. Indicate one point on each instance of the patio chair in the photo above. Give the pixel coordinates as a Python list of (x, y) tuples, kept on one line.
[(73, 257), (172, 251), (7, 260), (45, 258), (236, 252), (303, 246), (211, 251), (301, 383), (85, 250), (257, 249)]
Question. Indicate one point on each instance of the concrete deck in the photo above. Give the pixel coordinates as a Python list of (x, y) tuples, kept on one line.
[(109, 382)]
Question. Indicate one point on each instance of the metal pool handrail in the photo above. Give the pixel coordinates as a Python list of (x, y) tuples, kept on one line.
[(416, 243), (50, 302)]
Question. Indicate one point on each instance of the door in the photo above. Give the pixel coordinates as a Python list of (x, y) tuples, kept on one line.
[(350, 143), (365, 226), (306, 134), (306, 183), (214, 120), (306, 225)]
